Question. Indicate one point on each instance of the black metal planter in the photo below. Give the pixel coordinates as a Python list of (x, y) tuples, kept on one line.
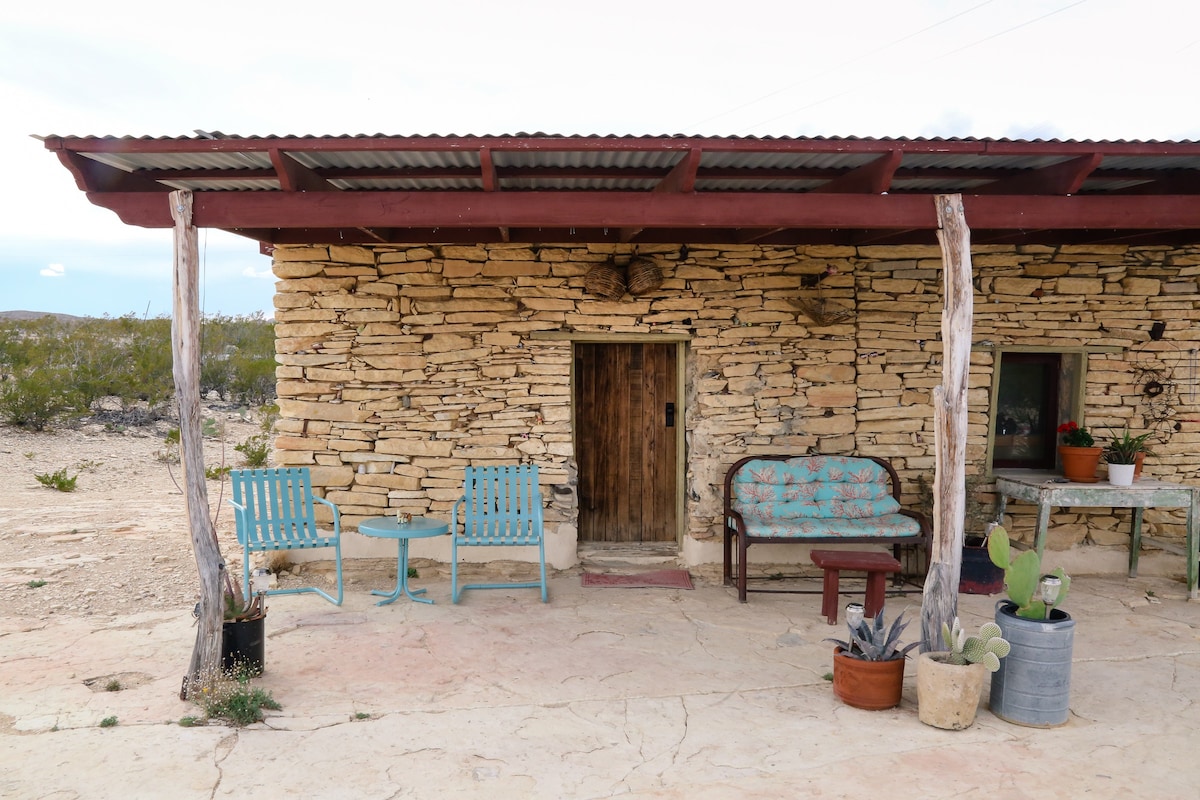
[(243, 646), (978, 575)]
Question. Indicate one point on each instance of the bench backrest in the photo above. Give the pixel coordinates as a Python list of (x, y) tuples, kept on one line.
[(276, 506), (502, 505), (812, 487)]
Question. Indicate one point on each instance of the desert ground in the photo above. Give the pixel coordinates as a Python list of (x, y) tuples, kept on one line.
[(640, 693), (119, 543)]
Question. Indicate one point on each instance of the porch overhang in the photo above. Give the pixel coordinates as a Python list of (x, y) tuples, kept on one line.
[(541, 188)]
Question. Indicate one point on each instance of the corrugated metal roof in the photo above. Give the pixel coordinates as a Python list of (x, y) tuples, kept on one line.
[(548, 185)]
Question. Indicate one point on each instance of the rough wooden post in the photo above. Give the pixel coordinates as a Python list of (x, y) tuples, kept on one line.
[(185, 352), (950, 423)]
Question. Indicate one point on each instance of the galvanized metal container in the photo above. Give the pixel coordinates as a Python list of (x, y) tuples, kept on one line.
[(1033, 685)]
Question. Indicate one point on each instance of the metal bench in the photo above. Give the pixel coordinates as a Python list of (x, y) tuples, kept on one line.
[(273, 509), (502, 506)]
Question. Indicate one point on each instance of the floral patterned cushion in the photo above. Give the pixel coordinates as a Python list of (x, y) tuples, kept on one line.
[(818, 496)]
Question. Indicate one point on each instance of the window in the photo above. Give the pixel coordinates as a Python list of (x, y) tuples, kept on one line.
[(1033, 392)]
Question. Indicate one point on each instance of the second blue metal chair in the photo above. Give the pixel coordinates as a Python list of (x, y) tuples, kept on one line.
[(501, 506)]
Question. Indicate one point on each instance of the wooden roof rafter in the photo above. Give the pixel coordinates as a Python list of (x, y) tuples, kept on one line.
[(1065, 177), (681, 179), (873, 178)]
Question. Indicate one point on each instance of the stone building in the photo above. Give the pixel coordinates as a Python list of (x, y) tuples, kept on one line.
[(401, 365), (433, 310)]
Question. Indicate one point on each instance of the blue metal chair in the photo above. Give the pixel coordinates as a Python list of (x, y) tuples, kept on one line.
[(273, 509), (502, 506)]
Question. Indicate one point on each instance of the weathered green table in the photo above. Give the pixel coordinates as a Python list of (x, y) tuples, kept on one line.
[(1048, 490)]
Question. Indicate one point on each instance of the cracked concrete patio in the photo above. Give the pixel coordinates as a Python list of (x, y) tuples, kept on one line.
[(602, 692)]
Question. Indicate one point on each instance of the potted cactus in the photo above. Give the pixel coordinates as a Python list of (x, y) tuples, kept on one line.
[(1033, 685), (868, 668), (950, 683)]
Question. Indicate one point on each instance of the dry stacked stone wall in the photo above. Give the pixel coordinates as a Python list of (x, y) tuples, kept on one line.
[(400, 365)]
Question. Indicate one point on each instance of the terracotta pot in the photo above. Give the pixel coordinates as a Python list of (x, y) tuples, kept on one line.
[(873, 685), (948, 694), (1079, 463), (1137, 465)]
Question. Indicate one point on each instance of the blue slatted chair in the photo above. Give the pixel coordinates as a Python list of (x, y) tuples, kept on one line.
[(274, 511), (502, 506)]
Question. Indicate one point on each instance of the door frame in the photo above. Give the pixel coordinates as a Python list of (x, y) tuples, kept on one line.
[(680, 341)]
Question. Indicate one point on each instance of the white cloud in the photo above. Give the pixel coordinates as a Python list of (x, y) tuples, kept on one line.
[(54, 271), (251, 272)]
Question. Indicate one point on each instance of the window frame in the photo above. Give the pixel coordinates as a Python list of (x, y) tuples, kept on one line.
[(1072, 388)]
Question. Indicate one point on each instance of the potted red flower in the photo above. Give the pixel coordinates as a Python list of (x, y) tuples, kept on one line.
[(1078, 453)]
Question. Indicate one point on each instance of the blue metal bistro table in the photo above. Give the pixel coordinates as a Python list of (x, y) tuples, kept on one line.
[(389, 528), (1048, 491)]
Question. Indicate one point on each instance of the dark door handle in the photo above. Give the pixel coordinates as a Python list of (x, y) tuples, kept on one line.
[(670, 415)]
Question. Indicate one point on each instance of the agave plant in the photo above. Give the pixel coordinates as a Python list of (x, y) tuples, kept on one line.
[(875, 642), (987, 648), (236, 607)]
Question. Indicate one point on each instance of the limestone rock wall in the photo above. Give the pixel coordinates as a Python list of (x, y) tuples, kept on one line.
[(398, 366)]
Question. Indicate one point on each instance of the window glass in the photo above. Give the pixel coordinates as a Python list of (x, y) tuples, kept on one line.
[(1027, 411)]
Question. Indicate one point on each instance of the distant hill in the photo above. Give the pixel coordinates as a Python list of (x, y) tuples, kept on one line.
[(24, 315)]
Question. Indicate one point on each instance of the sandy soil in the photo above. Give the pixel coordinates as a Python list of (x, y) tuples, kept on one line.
[(119, 543)]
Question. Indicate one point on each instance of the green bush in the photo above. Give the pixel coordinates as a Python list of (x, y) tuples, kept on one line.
[(58, 480), (256, 449), (216, 473), (51, 368), (36, 400), (238, 702), (237, 358)]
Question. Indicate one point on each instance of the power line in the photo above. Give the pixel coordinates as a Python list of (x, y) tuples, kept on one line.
[(843, 64), (938, 57)]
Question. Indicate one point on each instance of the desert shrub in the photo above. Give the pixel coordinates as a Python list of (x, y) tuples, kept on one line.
[(58, 480), (237, 358), (253, 380), (50, 367), (216, 473), (255, 449), (235, 700), (36, 400)]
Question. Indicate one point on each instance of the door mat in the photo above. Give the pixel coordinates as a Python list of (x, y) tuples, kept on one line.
[(658, 579)]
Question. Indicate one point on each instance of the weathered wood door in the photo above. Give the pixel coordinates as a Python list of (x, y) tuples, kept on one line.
[(625, 441)]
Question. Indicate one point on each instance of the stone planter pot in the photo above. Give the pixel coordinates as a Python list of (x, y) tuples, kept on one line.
[(948, 694), (1079, 463), (873, 685), (1033, 685), (1121, 474)]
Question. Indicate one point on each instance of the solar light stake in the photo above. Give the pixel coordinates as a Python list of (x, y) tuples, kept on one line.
[(1050, 587), (854, 615)]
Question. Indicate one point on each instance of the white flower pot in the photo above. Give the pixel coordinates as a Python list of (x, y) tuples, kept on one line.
[(1121, 474)]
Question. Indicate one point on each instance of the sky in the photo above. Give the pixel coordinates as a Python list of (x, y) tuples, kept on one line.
[(1026, 69)]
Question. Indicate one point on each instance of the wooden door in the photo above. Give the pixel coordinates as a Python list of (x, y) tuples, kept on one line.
[(625, 441)]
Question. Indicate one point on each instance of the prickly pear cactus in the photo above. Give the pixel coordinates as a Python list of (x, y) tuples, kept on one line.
[(987, 648), (1022, 575)]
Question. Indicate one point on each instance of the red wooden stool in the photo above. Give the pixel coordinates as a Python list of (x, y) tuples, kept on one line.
[(876, 565)]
